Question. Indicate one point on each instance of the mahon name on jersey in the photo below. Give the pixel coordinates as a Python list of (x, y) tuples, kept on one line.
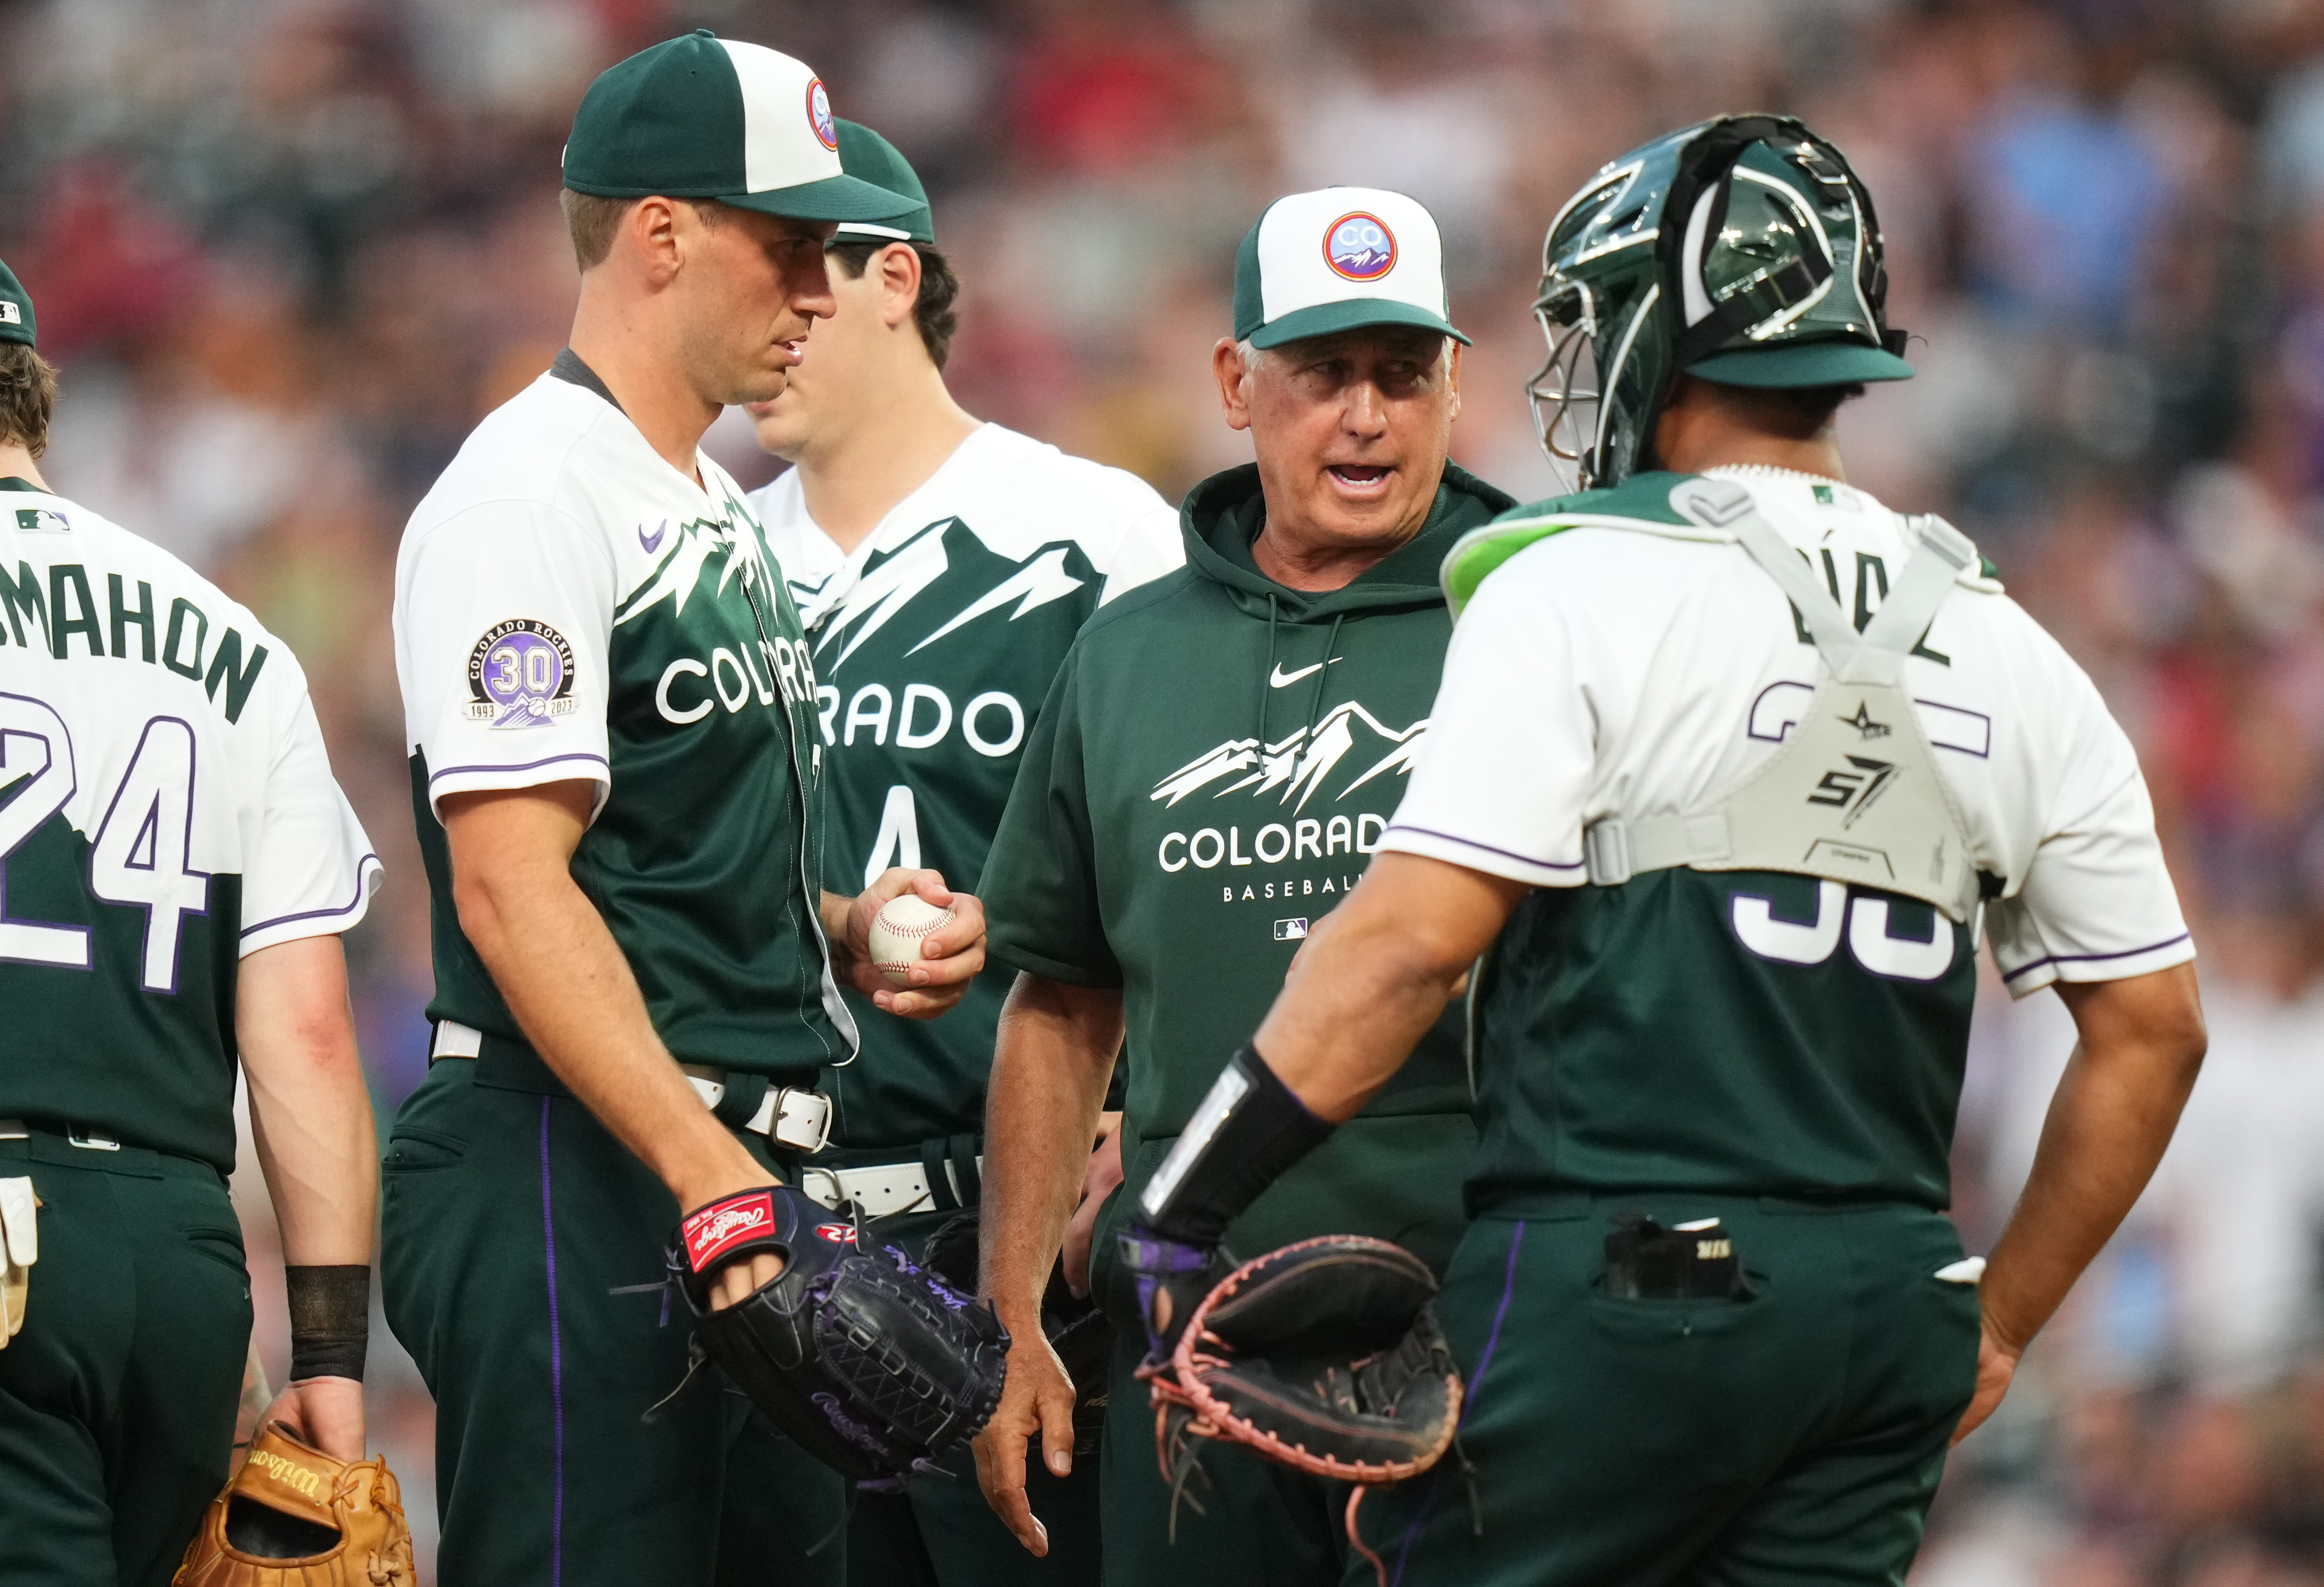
[(166, 806)]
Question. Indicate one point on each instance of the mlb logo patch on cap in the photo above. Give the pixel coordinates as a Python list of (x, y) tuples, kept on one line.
[(15, 308), (1336, 259)]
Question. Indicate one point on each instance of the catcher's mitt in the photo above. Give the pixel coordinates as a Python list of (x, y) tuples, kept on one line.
[(1076, 1329), (293, 1517), (1324, 1355), (875, 1366)]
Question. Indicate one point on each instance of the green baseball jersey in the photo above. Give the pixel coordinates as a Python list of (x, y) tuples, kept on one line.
[(1753, 1031), (166, 806), (1210, 775), (570, 607), (934, 642)]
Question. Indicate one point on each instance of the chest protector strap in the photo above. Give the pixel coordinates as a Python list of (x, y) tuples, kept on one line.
[(1854, 794)]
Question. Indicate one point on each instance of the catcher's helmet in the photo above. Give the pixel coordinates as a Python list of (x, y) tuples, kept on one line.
[(1743, 250)]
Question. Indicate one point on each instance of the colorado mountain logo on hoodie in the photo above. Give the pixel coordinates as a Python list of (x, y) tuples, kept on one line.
[(1300, 766)]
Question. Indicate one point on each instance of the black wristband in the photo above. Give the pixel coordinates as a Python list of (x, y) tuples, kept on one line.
[(1247, 1131), (330, 1320)]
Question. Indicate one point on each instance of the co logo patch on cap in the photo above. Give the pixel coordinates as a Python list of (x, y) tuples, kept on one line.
[(1360, 246), (818, 114)]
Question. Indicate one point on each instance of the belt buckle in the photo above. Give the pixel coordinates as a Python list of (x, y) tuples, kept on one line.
[(92, 1140), (814, 1117), (821, 1186)]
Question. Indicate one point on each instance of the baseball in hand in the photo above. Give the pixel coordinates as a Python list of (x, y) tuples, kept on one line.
[(898, 930)]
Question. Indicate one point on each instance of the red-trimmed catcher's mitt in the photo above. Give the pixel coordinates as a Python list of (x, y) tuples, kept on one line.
[(1324, 1355)]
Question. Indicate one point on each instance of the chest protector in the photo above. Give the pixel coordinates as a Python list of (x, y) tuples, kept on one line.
[(1853, 795)]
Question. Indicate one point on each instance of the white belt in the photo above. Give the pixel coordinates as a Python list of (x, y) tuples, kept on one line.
[(787, 1116), (87, 1139), (880, 1191)]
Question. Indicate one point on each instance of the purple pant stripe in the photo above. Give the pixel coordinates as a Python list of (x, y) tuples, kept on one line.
[(556, 1369), (1476, 1390)]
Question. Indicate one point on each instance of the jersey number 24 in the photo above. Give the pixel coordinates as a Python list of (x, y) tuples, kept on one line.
[(142, 846)]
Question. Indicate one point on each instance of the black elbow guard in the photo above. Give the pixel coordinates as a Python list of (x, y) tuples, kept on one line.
[(1247, 1132)]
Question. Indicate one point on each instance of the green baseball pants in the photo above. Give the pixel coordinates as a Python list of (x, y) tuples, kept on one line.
[(940, 1532), (117, 1398), (1790, 1438), (522, 1263), (1258, 1525)]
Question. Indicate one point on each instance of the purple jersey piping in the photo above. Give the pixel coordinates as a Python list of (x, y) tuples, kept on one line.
[(1492, 1343), (364, 867), (556, 1369), (2152, 948), (527, 766), (1471, 843)]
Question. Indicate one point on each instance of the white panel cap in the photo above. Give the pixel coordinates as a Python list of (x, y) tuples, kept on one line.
[(700, 116), (1337, 258)]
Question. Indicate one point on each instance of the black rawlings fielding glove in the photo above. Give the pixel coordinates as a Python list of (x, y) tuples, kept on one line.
[(875, 1366)]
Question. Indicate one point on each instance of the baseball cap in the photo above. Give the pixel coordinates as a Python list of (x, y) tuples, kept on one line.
[(865, 153), (1336, 259), (705, 117), (15, 308)]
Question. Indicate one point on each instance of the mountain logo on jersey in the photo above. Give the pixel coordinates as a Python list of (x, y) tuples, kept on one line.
[(1359, 246), (520, 675), (1301, 764), (948, 547), (700, 542)]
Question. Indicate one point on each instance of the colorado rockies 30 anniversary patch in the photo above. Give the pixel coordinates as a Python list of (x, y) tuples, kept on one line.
[(521, 674)]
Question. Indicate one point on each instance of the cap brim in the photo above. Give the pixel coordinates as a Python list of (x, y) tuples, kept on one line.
[(912, 227), (1801, 363), (1324, 320), (835, 198)]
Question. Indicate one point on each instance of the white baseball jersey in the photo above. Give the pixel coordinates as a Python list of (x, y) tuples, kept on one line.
[(1016, 495), (169, 807), (1771, 1031), (935, 642), (1652, 676), (570, 607)]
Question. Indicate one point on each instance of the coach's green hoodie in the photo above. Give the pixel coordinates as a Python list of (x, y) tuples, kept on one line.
[(1209, 776)]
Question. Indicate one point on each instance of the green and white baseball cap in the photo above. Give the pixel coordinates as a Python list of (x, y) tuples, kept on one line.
[(865, 153), (15, 308), (1336, 259), (706, 117)]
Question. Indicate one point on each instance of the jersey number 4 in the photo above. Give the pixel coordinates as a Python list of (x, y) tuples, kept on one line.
[(142, 846)]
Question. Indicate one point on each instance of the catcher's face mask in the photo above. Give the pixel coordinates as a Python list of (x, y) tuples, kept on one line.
[(1563, 391)]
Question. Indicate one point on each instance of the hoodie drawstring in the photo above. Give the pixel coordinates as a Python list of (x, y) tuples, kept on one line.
[(1267, 679), (1323, 676)]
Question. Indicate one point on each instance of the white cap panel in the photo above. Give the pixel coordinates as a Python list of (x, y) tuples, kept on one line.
[(1339, 245), (786, 116)]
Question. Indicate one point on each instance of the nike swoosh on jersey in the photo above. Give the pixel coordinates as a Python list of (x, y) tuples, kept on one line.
[(1282, 680), (652, 542)]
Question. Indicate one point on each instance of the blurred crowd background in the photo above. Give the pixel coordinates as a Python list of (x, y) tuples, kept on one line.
[(288, 252)]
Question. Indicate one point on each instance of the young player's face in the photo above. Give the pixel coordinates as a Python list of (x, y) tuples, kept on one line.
[(837, 370), (754, 284), (1351, 430)]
